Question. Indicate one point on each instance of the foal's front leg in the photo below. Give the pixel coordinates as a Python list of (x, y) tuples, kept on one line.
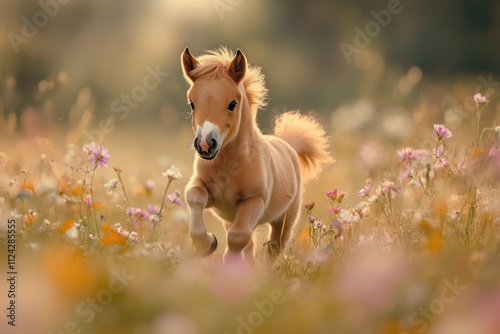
[(203, 242), (239, 235)]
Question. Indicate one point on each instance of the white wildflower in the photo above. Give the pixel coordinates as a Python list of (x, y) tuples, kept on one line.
[(173, 173), (346, 216), (150, 184), (317, 224), (45, 226), (72, 233), (33, 245), (111, 184)]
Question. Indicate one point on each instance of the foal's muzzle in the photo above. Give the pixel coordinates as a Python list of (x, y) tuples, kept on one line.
[(208, 146)]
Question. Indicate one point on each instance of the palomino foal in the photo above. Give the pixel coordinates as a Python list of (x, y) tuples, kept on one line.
[(246, 178)]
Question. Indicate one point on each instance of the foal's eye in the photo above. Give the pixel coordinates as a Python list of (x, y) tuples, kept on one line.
[(191, 104), (232, 105)]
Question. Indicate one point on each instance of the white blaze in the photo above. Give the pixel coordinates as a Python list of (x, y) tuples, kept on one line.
[(204, 131)]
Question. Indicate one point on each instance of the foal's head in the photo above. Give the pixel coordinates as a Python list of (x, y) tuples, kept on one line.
[(216, 99)]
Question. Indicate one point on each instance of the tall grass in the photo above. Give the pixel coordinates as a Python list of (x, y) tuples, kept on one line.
[(414, 250)]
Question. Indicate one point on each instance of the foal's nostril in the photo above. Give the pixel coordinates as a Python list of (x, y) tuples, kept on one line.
[(196, 143), (213, 145)]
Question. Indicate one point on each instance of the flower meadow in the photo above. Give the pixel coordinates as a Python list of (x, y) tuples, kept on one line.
[(406, 241)]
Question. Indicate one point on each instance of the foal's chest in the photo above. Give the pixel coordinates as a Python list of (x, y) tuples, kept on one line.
[(223, 199), (228, 183), (225, 192)]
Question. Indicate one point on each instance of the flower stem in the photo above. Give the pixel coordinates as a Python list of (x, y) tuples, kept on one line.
[(82, 191), (478, 119), (118, 173), (483, 131), (93, 200), (160, 213)]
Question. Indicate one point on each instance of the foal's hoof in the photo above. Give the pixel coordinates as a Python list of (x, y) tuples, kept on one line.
[(213, 247)]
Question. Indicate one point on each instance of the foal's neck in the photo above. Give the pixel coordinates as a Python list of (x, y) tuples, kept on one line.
[(246, 138)]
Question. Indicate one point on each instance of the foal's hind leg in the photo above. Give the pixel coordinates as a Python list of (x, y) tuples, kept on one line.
[(203, 242), (281, 229)]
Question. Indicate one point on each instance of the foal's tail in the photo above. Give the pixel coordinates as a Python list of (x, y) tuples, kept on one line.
[(308, 138)]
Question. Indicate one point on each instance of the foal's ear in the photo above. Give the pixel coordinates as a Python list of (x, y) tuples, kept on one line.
[(238, 67), (189, 63)]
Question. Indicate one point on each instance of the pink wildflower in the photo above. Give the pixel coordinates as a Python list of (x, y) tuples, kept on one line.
[(335, 195), (365, 191), (406, 154), (404, 174), (335, 210), (337, 224), (441, 160), (409, 154), (421, 154), (137, 213), (155, 219), (494, 155), (175, 198), (480, 99), (88, 200), (442, 131), (494, 151), (388, 188), (153, 209), (98, 154), (332, 193)]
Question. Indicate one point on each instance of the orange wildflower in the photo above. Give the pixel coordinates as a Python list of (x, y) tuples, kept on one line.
[(434, 238), (69, 270), (99, 205), (112, 238), (304, 238), (26, 190), (76, 190), (28, 186), (476, 153), (435, 242), (30, 217), (440, 207), (66, 226)]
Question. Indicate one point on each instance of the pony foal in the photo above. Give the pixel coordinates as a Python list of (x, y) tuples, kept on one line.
[(246, 178)]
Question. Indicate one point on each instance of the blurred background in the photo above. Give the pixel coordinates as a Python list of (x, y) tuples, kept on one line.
[(62, 59), (374, 72), (378, 74)]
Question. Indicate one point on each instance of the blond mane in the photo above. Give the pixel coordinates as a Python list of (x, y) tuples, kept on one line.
[(216, 62)]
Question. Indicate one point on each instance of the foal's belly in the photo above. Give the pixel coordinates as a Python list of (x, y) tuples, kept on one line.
[(226, 211)]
